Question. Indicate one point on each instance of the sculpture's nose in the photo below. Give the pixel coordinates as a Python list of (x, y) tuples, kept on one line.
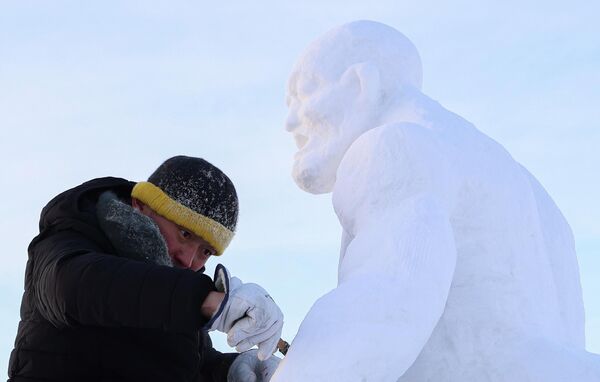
[(291, 122)]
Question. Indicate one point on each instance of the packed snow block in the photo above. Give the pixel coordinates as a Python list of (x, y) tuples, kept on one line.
[(455, 263)]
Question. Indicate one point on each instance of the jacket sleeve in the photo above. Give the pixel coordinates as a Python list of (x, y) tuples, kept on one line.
[(73, 283), (215, 365)]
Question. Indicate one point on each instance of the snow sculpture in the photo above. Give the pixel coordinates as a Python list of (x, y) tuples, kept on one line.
[(455, 264)]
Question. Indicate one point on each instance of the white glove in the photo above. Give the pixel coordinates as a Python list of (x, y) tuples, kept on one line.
[(247, 314), (248, 368)]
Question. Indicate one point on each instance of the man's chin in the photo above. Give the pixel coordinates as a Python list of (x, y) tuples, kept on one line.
[(312, 180)]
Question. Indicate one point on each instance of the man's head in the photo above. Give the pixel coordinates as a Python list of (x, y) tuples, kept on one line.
[(194, 205), (337, 91)]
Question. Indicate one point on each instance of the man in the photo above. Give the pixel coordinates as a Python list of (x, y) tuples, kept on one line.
[(115, 290), (455, 264)]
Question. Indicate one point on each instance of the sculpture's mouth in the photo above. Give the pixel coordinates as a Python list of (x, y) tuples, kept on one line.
[(301, 140)]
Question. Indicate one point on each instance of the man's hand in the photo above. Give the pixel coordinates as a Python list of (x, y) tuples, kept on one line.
[(248, 368), (211, 303), (247, 314)]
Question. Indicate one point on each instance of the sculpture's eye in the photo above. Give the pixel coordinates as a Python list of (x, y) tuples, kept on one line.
[(306, 87)]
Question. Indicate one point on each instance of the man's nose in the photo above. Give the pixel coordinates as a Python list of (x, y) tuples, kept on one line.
[(185, 256)]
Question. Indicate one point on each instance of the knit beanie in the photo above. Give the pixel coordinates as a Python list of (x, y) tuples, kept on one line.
[(193, 194)]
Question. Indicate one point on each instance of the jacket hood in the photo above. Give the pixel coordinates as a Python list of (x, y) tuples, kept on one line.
[(75, 209)]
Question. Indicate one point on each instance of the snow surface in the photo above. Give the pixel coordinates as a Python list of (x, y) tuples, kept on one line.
[(455, 264)]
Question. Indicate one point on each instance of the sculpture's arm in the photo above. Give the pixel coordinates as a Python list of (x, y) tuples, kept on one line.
[(394, 276)]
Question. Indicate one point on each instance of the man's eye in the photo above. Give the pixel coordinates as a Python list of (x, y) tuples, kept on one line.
[(208, 252), (185, 234)]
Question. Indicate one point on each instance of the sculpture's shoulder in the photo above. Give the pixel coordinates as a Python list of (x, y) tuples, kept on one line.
[(376, 152), (390, 135), (399, 147), (402, 137), (396, 161)]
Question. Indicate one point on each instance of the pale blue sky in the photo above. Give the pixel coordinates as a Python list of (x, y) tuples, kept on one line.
[(115, 87)]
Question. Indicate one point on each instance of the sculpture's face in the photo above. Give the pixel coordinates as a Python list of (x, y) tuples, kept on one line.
[(325, 116), (337, 92)]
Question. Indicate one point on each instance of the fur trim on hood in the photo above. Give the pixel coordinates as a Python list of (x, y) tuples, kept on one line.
[(133, 234)]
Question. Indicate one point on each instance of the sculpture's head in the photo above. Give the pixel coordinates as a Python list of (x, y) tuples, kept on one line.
[(337, 90)]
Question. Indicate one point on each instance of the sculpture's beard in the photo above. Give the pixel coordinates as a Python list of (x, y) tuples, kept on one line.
[(314, 171), (311, 179), (320, 154)]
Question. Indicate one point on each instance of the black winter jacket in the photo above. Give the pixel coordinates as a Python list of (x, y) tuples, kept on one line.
[(89, 315)]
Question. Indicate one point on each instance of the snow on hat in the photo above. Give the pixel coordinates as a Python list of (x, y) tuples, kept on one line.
[(194, 194)]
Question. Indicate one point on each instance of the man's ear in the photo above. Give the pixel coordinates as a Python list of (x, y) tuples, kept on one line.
[(137, 204), (365, 77)]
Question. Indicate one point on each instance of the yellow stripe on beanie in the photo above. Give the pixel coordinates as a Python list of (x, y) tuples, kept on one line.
[(217, 235)]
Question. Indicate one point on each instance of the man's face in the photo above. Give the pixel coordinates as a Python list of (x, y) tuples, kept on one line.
[(324, 118), (186, 249)]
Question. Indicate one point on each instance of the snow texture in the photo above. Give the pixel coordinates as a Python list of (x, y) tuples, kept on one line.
[(455, 264)]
